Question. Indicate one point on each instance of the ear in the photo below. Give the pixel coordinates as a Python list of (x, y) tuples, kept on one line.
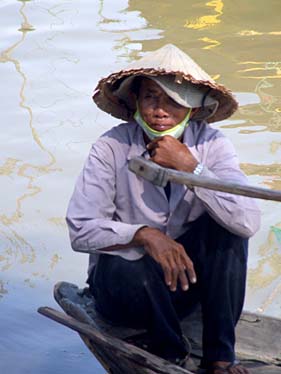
[(194, 111)]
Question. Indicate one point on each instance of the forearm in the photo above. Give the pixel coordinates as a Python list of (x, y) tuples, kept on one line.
[(139, 239), (101, 234), (239, 214)]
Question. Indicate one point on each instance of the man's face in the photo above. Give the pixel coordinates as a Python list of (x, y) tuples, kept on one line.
[(157, 109)]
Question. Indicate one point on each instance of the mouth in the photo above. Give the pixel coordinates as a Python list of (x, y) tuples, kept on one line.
[(160, 126)]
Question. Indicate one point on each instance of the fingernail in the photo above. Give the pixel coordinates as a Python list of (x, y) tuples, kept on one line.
[(185, 288), (193, 280)]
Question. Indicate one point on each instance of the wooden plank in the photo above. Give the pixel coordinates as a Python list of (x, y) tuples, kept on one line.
[(123, 358), (160, 176), (258, 337)]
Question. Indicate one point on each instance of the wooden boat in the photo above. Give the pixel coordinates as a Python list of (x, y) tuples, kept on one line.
[(119, 350)]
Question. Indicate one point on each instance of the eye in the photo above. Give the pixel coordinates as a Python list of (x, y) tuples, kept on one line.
[(150, 97), (174, 103)]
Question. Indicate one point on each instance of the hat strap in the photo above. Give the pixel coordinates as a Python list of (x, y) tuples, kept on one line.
[(205, 97)]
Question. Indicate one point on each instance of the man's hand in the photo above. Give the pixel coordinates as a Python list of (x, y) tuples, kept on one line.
[(171, 153), (171, 256)]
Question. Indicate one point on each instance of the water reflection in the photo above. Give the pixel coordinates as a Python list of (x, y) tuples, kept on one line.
[(14, 247), (267, 114), (267, 272), (25, 26), (25, 170), (129, 27), (207, 21), (3, 290)]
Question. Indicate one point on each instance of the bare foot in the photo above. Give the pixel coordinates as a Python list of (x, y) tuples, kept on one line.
[(222, 367)]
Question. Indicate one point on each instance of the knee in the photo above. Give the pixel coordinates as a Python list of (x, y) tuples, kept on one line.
[(132, 274)]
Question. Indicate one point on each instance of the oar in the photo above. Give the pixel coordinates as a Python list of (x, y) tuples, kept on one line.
[(160, 176)]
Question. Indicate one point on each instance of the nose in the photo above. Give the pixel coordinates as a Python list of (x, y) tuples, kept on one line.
[(160, 108)]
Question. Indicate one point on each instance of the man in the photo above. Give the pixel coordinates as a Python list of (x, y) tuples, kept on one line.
[(155, 252)]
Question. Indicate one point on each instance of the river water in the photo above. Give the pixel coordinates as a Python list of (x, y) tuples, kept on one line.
[(52, 54)]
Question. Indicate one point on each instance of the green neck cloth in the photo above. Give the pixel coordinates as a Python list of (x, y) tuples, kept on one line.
[(175, 131)]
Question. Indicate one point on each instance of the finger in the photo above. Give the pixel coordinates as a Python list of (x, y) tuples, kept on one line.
[(154, 143), (167, 273), (182, 274), (174, 273), (183, 280), (152, 152), (189, 268)]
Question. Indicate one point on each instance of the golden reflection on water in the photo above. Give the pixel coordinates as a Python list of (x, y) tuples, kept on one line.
[(25, 26), (260, 67), (269, 170), (267, 271), (16, 248), (11, 164), (58, 221), (255, 33), (267, 113), (212, 42), (54, 261), (207, 21)]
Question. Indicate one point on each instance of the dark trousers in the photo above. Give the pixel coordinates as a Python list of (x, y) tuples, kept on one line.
[(134, 293)]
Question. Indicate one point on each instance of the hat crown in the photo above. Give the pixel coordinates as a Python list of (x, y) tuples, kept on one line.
[(170, 58)]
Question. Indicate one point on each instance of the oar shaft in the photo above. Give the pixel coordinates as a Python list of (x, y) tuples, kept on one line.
[(160, 176)]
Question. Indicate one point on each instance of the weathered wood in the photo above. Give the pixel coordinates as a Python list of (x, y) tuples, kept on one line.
[(127, 358), (258, 337), (160, 176), (79, 304)]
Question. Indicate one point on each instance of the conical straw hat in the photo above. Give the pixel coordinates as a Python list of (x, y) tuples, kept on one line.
[(168, 60)]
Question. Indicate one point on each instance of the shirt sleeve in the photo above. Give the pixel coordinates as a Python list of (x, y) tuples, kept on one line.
[(91, 207), (239, 214)]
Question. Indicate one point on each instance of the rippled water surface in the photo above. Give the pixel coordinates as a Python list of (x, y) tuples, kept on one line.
[(52, 53)]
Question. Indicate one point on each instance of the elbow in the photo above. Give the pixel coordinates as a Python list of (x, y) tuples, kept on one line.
[(78, 244), (251, 226), (246, 222), (248, 232), (75, 245)]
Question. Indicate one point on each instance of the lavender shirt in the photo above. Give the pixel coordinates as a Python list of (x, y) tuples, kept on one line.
[(110, 203)]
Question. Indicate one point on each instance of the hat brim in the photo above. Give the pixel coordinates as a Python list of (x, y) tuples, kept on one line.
[(106, 99)]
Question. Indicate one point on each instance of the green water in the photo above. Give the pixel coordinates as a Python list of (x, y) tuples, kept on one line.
[(52, 54)]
